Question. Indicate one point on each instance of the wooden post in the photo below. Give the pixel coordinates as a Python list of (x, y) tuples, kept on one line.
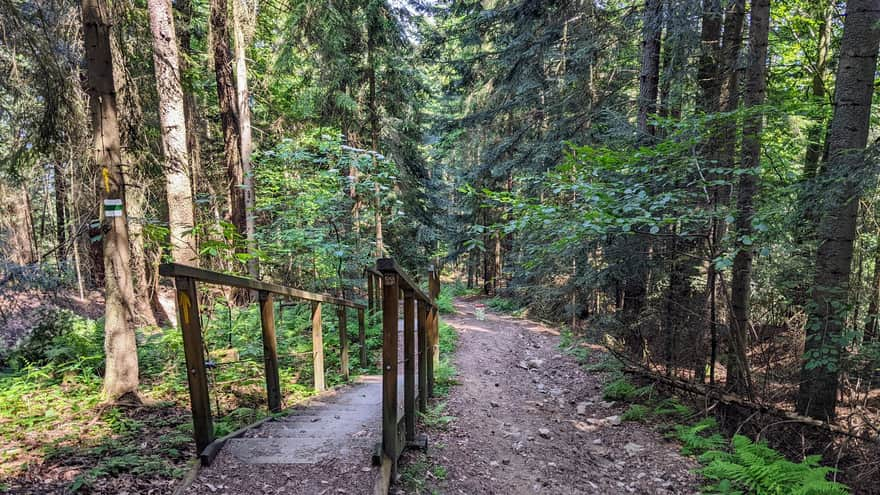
[(409, 364), (429, 362), (362, 337), (379, 294), (343, 341), (317, 347), (434, 290), (390, 440), (423, 355), (371, 293), (270, 351), (193, 349)]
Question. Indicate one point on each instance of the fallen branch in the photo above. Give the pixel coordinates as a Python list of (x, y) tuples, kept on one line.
[(736, 400)]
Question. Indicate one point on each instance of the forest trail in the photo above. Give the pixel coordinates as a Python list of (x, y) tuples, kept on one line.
[(529, 419)]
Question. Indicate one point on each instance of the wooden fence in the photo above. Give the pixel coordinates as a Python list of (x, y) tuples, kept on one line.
[(420, 352), (186, 279)]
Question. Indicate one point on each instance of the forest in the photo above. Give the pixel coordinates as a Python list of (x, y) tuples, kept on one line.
[(688, 185)]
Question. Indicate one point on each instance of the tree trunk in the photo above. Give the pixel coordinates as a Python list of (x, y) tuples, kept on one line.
[(817, 396), (874, 304), (60, 212), (244, 122), (178, 186), (121, 371), (190, 108), (649, 77), (708, 72), (16, 225), (134, 208), (817, 92), (738, 376), (375, 130), (228, 115)]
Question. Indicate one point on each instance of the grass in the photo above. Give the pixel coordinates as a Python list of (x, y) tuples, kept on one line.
[(435, 417), (423, 469)]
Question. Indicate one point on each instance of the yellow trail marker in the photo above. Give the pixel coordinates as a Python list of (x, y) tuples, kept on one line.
[(185, 305), (106, 173)]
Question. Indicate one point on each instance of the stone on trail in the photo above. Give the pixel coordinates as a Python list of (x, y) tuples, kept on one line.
[(632, 448), (613, 420), (544, 432), (582, 409), (534, 363)]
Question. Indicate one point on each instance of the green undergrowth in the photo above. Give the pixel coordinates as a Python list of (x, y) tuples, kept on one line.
[(53, 415), (733, 466), (423, 470), (506, 305)]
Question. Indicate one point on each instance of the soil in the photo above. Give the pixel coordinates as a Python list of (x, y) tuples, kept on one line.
[(517, 427)]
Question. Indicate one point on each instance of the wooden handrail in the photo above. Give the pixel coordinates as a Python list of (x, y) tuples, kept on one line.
[(420, 314), (389, 265), (186, 280), (208, 276)]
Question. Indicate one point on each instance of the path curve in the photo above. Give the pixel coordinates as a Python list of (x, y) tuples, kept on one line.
[(518, 429)]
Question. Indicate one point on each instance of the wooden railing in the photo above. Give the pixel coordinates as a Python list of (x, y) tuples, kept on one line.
[(420, 351), (186, 279)]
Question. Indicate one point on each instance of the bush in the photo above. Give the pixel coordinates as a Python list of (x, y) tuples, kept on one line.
[(502, 304), (444, 301), (61, 338)]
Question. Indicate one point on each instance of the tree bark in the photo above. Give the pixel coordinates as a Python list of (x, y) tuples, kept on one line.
[(190, 108), (817, 92), (375, 130), (708, 72), (738, 375), (178, 186), (228, 114), (60, 212), (134, 208), (16, 225), (817, 395), (244, 122), (649, 76), (121, 371)]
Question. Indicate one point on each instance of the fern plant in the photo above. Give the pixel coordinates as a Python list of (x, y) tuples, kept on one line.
[(757, 469), (696, 439)]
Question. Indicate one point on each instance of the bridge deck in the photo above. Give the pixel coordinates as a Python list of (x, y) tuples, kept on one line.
[(326, 441), (339, 425)]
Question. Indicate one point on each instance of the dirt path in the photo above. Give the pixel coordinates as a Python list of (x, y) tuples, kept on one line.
[(518, 429)]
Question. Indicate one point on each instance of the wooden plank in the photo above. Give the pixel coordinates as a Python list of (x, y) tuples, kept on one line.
[(270, 350), (390, 439), (193, 349), (317, 347), (343, 341), (388, 265), (423, 354), (409, 364), (208, 276), (210, 453), (362, 337)]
